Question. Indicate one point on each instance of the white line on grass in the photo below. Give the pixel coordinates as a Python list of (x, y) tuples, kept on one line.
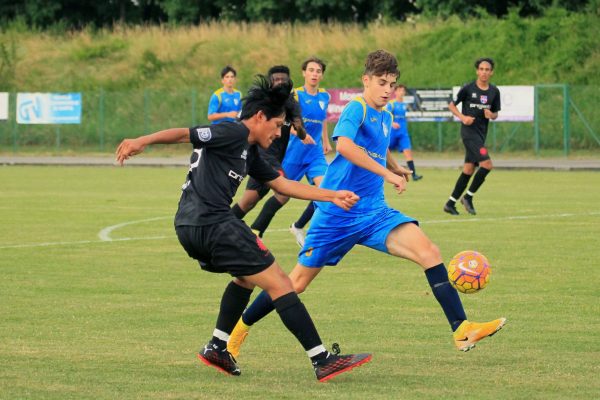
[(104, 234)]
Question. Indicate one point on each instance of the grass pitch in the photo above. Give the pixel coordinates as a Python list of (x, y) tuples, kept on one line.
[(100, 301)]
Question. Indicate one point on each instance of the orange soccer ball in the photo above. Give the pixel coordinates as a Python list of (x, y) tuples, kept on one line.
[(469, 271)]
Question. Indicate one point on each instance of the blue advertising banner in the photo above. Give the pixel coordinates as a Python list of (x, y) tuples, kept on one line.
[(49, 108)]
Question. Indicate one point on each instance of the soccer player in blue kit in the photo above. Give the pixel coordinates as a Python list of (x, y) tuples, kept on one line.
[(362, 135), (400, 138), (303, 157), (225, 103)]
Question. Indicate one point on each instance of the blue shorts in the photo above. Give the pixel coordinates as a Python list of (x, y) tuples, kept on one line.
[(400, 142), (330, 237), (311, 170)]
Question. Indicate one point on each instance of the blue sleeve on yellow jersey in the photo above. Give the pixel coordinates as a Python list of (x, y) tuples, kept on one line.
[(350, 121)]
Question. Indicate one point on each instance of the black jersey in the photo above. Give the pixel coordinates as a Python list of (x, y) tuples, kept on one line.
[(276, 151), (474, 100), (222, 157)]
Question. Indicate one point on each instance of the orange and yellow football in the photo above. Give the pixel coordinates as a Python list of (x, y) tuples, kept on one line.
[(469, 271)]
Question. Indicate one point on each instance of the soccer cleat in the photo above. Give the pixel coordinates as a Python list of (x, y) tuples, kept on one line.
[(469, 333), (237, 337), (298, 234), (334, 365), (416, 177), (222, 360), (468, 203), (450, 209)]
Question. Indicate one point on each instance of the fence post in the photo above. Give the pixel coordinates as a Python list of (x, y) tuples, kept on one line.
[(536, 120), (194, 95), (146, 106), (14, 121), (440, 136), (566, 122), (101, 118)]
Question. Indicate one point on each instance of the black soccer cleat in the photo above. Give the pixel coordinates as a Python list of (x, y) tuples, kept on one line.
[(468, 203), (334, 365), (416, 177), (450, 209), (222, 360)]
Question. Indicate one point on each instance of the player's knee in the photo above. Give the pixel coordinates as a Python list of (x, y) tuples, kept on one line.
[(431, 255)]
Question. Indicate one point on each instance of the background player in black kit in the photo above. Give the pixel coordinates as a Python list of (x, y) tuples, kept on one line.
[(480, 103), (210, 233), (256, 190)]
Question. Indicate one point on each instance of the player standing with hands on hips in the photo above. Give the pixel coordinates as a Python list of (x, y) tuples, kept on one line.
[(480, 103)]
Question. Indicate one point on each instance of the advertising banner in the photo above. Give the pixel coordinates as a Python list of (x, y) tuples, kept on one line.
[(3, 106), (49, 108)]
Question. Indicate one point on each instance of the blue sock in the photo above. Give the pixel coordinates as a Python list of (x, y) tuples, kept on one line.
[(446, 295), (260, 307)]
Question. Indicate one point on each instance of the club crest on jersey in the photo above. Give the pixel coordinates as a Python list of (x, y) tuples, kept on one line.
[(483, 99), (322, 105), (236, 101), (385, 130), (204, 134)]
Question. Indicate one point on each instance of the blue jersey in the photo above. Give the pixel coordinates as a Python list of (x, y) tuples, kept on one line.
[(370, 130), (398, 110), (221, 102), (314, 113)]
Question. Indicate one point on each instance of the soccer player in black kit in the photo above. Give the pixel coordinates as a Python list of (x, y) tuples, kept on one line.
[(480, 103), (223, 154), (256, 190)]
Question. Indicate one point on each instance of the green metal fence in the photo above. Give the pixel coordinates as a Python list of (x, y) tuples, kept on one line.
[(566, 121)]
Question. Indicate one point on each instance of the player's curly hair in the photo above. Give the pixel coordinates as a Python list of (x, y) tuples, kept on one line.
[(381, 62), (263, 96)]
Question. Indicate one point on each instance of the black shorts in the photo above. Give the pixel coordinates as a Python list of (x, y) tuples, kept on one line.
[(262, 188), (228, 246), (475, 150)]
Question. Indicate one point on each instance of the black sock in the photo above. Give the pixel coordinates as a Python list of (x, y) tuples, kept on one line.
[(267, 213), (238, 212), (295, 317), (459, 188), (477, 181), (411, 166), (306, 216), (235, 299), (446, 295)]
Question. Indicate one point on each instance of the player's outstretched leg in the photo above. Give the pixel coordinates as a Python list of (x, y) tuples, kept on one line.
[(469, 333), (220, 359)]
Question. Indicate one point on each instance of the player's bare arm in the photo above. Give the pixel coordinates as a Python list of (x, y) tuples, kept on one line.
[(465, 119), (357, 156), (341, 198), (393, 166), (327, 148), (131, 147), (490, 115)]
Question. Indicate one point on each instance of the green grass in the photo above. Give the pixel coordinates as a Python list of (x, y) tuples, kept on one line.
[(84, 318)]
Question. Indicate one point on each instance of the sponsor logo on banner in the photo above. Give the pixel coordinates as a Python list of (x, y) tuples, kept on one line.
[(49, 108), (3, 106)]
